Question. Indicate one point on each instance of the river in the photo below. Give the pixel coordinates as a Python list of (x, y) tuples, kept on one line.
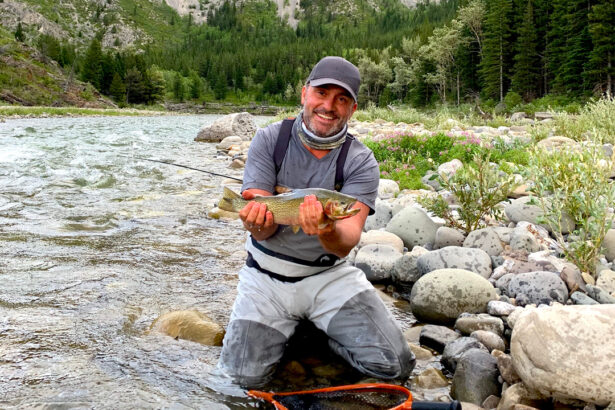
[(95, 244)]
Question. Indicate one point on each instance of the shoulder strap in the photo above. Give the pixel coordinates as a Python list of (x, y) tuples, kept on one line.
[(281, 144), (341, 160)]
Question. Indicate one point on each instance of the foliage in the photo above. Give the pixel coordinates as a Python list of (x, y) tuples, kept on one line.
[(575, 183), (595, 120), (478, 188), (407, 157)]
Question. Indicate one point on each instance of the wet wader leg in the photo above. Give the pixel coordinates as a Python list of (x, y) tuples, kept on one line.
[(365, 334), (259, 328), (251, 351)]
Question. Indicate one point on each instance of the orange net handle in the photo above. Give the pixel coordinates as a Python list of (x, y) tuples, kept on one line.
[(268, 396)]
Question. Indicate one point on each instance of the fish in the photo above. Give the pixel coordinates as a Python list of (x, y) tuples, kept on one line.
[(285, 206)]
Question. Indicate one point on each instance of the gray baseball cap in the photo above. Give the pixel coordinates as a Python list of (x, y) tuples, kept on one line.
[(338, 71)]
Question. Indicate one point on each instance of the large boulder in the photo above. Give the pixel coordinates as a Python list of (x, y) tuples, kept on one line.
[(377, 261), (239, 124), (442, 295), (566, 352), (475, 260), (413, 226)]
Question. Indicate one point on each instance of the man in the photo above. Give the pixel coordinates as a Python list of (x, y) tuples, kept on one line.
[(289, 276)]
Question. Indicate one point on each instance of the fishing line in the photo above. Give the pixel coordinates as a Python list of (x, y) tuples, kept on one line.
[(182, 166)]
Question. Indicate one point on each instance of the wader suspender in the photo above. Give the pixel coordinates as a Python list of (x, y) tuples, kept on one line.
[(282, 145)]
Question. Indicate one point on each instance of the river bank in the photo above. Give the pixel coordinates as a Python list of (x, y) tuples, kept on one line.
[(15, 111)]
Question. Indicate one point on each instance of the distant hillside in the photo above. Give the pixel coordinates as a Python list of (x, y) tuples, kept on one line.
[(29, 78)]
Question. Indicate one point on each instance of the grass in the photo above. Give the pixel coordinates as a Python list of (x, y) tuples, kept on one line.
[(40, 111)]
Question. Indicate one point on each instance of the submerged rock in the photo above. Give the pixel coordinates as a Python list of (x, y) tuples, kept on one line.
[(189, 325)]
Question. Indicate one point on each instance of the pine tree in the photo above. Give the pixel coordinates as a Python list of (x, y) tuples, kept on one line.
[(117, 89), (526, 71), (601, 66), (92, 70), (578, 45), (556, 45), (495, 64), (19, 34)]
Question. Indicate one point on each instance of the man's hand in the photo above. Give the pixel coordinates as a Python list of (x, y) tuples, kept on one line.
[(337, 237), (255, 216), (312, 218)]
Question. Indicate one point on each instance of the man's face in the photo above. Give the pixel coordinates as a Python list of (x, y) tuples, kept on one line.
[(326, 108)]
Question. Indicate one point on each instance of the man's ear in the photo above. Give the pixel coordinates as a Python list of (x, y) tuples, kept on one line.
[(303, 91)]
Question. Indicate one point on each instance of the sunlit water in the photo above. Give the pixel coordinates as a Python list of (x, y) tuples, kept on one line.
[(95, 245)]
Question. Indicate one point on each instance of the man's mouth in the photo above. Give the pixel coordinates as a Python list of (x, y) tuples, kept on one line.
[(325, 116)]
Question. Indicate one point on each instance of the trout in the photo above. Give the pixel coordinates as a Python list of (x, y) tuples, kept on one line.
[(285, 207)]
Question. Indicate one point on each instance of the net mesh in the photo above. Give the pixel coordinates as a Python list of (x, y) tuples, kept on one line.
[(373, 399)]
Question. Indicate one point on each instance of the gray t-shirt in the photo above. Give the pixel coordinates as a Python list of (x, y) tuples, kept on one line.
[(301, 169)]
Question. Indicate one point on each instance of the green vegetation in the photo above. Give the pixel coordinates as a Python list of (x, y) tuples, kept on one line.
[(576, 184), (407, 158), (479, 187), (17, 110)]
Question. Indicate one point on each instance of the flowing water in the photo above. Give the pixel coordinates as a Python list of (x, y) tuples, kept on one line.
[(94, 246)]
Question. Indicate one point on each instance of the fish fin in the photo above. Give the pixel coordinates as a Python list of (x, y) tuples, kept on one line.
[(323, 225), (279, 189), (228, 197), (296, 228)]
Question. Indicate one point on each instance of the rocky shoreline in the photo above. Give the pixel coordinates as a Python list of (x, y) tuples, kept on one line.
[(516, 326)]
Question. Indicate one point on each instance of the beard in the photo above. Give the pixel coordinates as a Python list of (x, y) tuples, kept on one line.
[(313, 126)]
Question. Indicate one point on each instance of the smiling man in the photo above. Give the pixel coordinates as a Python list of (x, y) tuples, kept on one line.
[(288, 277)]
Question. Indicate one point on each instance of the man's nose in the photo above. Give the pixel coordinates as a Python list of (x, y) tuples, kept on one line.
[(329, 103)]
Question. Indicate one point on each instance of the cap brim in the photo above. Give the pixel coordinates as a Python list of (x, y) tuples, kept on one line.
[(323, 81)]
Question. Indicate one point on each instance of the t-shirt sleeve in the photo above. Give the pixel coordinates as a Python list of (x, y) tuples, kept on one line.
[(259, 172), (363, 177)]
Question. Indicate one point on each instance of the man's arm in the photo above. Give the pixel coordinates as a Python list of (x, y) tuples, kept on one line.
[(338, 237), (255, 216)]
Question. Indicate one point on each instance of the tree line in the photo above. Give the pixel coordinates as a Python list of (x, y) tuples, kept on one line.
[(451, 52)]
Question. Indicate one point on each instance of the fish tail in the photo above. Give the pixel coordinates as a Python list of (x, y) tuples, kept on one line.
[(230, 200)]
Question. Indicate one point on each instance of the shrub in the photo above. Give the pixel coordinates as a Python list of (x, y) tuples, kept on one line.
[(576, 183), (512, 100), (479, 187)]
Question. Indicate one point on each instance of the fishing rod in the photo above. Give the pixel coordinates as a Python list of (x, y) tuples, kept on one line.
[(183, 166)]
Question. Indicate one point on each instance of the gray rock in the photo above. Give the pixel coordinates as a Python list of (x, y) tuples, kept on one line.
[(431, 179), (536, 288), (381, 217), (476, 377), (227, 142), (446, 236), (442, 295), (413, 226), (486, 239), (387, 188), (525, 241), (450, 168), (381, 238), (599, 295), (455, 349), (405, 269), (580, 298), (499, 308), (606, 281), (437, 337), (505, 366), (489, 339), (402, 201), (609, 245), (240, 124), (518, 116), (571, 275), (565, 352), (474, 260), (377, 261), (467, 323), (527, 209), (518, 395)]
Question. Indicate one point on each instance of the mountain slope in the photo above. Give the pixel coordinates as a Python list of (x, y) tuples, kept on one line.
[(29, 78)]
